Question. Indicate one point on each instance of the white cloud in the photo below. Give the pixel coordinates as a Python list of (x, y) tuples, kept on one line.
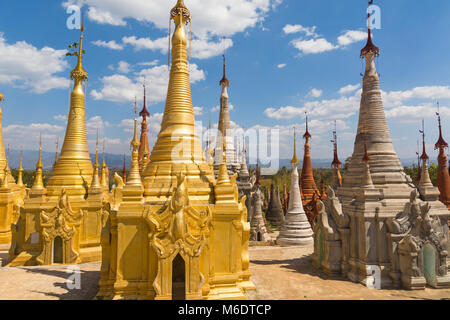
[(96, 123), (120, 88), (407, 114), (349, 89), (25, 66), (351, 36), (123, 67), (313, 46), (212, 20), (60, 118), (309, 32), (397, 98), (149, 63), (198, 111), (281, 66), (27, 136), (315, 93), (312, 43), (201, 48), (287, 112), (217, 108), (113, 45)]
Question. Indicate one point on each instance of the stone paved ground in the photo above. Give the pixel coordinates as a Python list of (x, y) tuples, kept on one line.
[(279, 273)]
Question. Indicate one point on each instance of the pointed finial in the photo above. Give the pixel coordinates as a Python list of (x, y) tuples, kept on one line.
[(424, 155), (56, 153), (180, 9), (20, 170), (441, 143), (307, 135), (370, 47), (2, 97), (224, 82), (144, 113), (336, 161), (295, 160), (78, 73)]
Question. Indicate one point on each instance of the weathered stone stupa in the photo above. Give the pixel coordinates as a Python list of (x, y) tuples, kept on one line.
[(308, 186), (443, 176), (258, 230), (61, 222), (375, 230), (274, 214), (179, 234), (224, 129), (296, 229), (243, 181)]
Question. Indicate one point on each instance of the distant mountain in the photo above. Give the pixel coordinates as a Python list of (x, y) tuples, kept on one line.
[(30, 157), (115, 161)]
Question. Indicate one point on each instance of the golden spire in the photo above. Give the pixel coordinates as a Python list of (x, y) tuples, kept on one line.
[(73, 169), (95, 180), (20, 170), (134, 177), (294, 160), (178, 145), (103, 179), (223, 177), (78, 73), (2, 97), (38, 182)]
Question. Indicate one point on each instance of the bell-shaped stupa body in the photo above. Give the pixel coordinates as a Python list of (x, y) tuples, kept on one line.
[(274, 214), (179, 234), (296, 229)]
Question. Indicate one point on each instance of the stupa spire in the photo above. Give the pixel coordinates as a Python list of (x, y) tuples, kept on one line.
[(38, 184), (443, 176), (308, 187), (337, 177), (134, 177), (367, 177), (223, 177), (124, 170), (103, 180), (425, 180), (56, 153), (20, 171), (178, 123), (224, 125), (295, 160), (95, 184), (143, 145), (73, 169)]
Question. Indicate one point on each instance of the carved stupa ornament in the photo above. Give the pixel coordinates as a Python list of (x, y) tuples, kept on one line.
[(61, 222)]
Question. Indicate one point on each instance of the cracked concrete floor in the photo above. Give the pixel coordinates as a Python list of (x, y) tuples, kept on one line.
[(278, 273)]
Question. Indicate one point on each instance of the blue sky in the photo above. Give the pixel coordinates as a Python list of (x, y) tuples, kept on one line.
[(284, 57)]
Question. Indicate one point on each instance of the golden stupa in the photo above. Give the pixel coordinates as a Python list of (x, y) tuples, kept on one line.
[(11, 194), (61, 222), (175, 233)]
